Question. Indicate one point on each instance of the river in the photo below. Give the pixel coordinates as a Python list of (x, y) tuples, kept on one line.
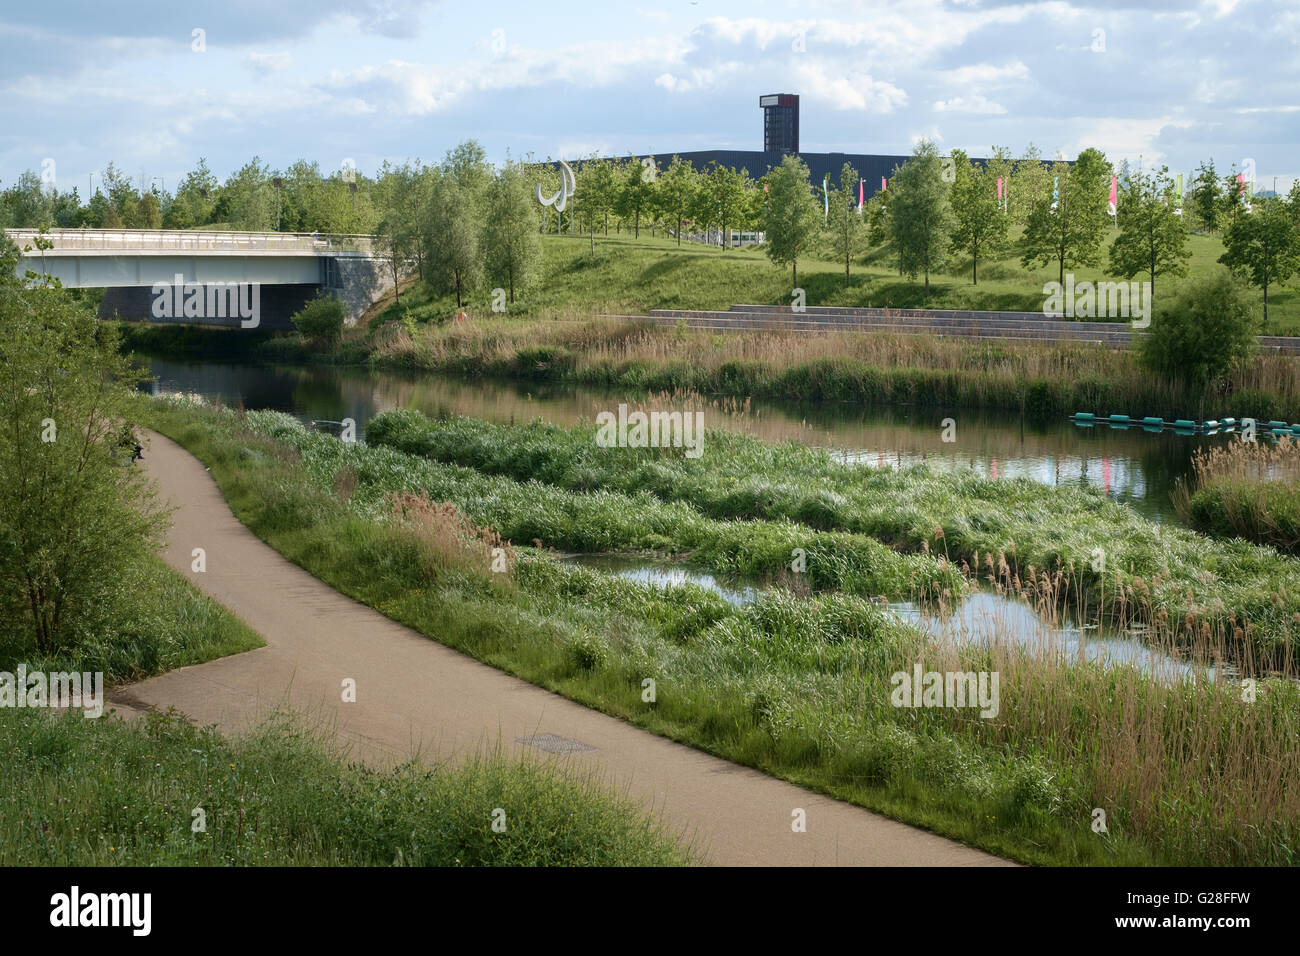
[(1133, 466)]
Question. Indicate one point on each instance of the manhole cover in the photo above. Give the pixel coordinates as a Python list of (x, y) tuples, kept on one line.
[(554, 744)]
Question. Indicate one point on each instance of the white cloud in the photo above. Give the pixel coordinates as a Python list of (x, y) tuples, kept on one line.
[(849, 91), (974, 103), (264, 63)]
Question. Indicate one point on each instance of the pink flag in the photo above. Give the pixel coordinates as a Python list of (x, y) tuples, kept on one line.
[(1114, 195), (999, 187), (862, 191), (884, 183)]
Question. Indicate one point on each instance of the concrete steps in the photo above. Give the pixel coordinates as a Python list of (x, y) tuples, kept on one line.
[(1009, 326)]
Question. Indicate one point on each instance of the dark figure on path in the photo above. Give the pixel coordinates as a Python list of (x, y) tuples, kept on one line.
[(129, 440)]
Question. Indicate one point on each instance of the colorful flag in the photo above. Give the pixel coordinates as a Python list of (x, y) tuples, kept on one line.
[(826, 194), (1114, 196), (883, 183), (999, 189), (862, 195)]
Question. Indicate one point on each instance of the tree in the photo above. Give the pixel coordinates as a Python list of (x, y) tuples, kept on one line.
[(1152, 237), (791, 216), (76, 521), (451, 233), (1206, 196), (1204, 331), (1263, 246), (730, 190), (512, 246), (587, 206), (249, 198), (397, 194), (636, 192), (678, 185), (599, 192), (149, 212), (1069, 231), (1030, 181), (194, 200), (880, 231), (320, 321), (847, 230), (920, 214), (28, 204), (979, 225), (1232, 199)]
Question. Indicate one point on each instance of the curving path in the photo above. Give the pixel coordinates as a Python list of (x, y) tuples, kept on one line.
[(416, 695)]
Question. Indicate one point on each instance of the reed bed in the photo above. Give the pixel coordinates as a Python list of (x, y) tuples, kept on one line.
[(799, 682), (860, 367), (1072, 546), (1245, 489)]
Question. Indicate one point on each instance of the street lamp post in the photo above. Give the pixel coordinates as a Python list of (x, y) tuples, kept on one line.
[(279, 184)]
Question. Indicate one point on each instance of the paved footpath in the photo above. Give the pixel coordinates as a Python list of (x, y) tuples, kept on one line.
[(414, 695)]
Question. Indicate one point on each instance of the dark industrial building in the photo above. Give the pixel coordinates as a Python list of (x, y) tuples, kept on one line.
[(780, 138), (780, 122)]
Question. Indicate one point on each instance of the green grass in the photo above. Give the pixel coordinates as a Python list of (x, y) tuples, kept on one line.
[(168, 623), (796, 684), (1151, 571), (105, 792), (108, 792), (632, 276)]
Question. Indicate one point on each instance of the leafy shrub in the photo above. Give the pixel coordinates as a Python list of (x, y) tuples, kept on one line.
[(1203, 332), (320, 321), (587, 652)]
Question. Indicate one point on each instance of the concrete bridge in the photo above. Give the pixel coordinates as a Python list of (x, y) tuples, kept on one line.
[(277, 270)]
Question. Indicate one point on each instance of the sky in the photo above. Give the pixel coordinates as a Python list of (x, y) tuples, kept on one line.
[(153, 86)]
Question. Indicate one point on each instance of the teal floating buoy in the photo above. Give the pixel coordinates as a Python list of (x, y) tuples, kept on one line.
[(1121, 419), (1083, 416), (1210, 423)]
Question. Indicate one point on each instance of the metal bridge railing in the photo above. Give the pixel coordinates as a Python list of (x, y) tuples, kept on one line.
[(186, 240)]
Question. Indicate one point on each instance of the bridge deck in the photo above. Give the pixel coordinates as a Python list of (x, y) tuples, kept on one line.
[(163, 242)]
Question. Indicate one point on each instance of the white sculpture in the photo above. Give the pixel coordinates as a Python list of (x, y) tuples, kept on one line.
[(568, 184)]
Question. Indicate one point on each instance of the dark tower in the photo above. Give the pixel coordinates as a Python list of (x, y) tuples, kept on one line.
[(780, 122)]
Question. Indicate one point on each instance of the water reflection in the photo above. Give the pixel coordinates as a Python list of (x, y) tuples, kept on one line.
[(981, 618), (1130, 465)]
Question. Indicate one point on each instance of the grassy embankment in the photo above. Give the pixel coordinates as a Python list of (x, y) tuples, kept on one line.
[(633, 276), (1247, 490), (629, 276), (797, 683)]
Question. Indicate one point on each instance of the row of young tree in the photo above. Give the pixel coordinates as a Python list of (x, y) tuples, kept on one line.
[(256, 198), (935, 208), (461, 223)]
